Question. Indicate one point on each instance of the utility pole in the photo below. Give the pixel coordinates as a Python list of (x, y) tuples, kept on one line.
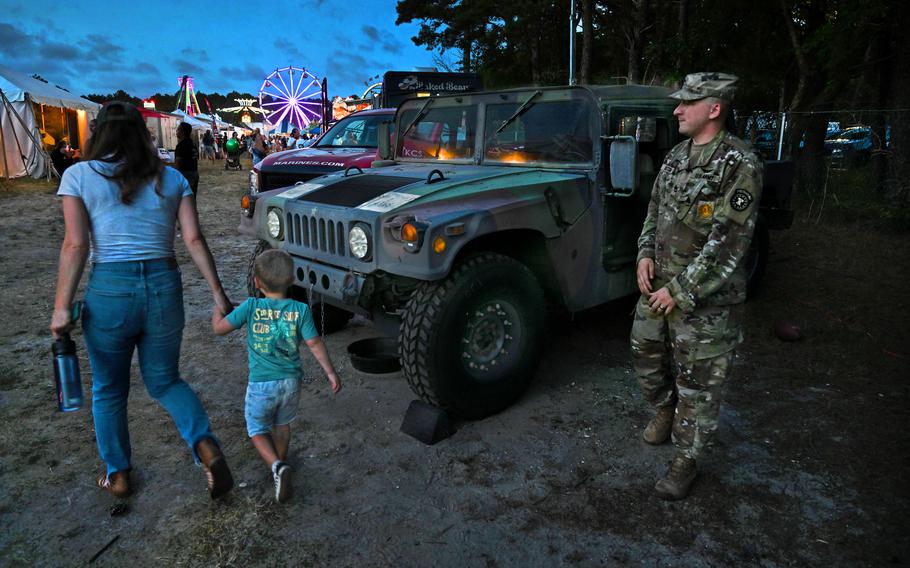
[(571, 42)]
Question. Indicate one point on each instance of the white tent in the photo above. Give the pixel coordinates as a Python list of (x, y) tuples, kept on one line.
[(25, 106)]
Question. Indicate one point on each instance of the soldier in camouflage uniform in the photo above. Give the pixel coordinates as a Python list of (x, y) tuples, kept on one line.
[(687, 323)]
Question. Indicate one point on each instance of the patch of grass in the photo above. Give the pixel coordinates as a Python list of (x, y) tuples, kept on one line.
[(27, 185), (242, 532), (9, 378), (852, 197)]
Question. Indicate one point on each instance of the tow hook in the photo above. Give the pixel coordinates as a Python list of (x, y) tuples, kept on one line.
[(349, 290)]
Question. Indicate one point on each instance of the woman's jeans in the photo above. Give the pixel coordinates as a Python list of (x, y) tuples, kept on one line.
[(130, 305)]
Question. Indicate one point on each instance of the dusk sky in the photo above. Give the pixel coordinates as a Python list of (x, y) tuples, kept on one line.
[(99, 47)]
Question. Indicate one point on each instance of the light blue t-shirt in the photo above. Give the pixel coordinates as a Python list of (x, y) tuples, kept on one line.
[(142, 230), (275, 330)]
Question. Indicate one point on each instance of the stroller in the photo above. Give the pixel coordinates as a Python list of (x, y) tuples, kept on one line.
[(232, 152)]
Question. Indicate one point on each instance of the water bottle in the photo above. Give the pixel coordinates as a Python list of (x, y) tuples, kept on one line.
[(66, 374)]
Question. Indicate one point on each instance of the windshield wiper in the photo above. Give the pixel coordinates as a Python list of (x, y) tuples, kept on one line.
[(521, 110), (420, 114)]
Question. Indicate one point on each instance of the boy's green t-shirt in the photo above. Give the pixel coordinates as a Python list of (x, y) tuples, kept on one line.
[(275, 330)]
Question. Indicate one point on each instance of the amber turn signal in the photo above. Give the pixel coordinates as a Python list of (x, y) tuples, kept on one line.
[(439, 245), (409, 233), (245, 202)]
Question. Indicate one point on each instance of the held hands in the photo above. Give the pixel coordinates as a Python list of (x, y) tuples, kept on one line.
[(223, 304), (661, 302), (645, 274)]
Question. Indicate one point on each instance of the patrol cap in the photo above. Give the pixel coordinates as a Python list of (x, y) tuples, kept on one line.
[(701, 85)]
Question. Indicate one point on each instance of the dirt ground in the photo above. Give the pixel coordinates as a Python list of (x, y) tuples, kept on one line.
[(810, 466)]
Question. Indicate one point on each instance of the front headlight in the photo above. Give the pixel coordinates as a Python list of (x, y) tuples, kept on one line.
[(254, 182), (359, 242), (273, 221)]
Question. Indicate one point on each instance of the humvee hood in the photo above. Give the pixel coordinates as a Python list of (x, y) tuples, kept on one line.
[(387, 189)]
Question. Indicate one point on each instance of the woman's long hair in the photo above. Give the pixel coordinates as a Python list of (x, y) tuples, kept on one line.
[(121, 136)]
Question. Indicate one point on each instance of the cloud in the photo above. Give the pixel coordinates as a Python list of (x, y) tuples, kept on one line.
[(246, 73), (187, 67), (99, 48), (197, 54), (384, 41), (349, 71), (13, 41), (60, 51)]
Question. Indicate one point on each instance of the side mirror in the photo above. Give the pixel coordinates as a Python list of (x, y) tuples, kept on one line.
[(385, 149), (623, 165)]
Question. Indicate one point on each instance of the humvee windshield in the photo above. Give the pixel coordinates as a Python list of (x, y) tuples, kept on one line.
[(555, 128)]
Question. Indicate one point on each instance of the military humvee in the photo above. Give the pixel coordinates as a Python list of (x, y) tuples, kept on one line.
[(490, 206)]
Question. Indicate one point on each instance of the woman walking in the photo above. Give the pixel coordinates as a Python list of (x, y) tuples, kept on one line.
[(128, 202)]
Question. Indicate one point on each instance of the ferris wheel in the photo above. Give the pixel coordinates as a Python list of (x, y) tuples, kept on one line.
[(292, 96)]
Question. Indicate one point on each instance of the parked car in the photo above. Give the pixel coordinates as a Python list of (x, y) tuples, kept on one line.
[(854, 145)]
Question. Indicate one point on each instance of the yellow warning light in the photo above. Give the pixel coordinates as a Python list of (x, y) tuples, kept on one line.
[(439, 245), (409, 233)]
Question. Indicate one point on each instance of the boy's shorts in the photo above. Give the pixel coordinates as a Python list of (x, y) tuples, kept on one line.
[(271, 403)]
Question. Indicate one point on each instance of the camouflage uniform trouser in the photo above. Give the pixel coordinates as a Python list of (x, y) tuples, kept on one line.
[(685, 359)]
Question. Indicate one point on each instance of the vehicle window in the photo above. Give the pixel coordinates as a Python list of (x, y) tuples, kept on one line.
[(354, 132), (441, 134), (557, 131)]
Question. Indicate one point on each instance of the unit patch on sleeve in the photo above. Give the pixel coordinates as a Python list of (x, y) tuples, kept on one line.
[(741, 200)]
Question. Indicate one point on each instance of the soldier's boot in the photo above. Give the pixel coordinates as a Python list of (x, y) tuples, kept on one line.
[(658, 429), (676, 484)]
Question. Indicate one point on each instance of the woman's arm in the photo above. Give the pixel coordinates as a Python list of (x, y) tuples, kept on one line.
[(199, 251), (73, 254)]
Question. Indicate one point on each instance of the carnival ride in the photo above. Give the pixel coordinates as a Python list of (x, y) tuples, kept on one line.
[(293, 97), (187, 96), (246, 109)]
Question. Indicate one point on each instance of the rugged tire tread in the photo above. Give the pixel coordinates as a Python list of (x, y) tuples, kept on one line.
[(422, 315)]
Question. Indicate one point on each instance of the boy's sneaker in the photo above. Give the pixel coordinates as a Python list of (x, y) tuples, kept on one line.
[(282, 482)]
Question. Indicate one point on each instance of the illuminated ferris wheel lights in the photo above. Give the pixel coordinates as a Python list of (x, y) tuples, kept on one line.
[(291, 94)]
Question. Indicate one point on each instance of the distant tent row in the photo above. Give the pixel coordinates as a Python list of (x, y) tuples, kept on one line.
[(34, 116)]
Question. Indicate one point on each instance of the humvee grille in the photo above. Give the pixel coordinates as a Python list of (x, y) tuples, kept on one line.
[(316, 233)]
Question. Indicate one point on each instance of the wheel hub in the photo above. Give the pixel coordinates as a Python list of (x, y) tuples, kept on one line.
[(490, 331)]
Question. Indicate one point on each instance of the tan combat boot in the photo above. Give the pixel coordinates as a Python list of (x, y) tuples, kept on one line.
[(658, 429), (218, 475), (679, 479)]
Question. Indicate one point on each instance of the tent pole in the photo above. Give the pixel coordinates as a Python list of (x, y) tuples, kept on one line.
[(3, 141)]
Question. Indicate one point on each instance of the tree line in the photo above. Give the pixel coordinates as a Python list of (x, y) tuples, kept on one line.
[(806, 57), (168, 102)]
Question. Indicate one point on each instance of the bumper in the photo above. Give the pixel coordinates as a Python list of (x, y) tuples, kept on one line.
[(338, 287)]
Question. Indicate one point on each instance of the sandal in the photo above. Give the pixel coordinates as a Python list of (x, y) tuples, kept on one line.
[(117, 483), (217, 473)]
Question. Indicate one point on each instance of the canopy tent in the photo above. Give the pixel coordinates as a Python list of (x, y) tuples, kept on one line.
[(162, 126), (33, 116)]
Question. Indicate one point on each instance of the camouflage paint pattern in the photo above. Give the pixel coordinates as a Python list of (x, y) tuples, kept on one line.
[(698, 229), (684, 359), (700, 221)]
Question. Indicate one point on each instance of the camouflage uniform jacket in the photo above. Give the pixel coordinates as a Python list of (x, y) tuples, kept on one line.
[(700, 221)]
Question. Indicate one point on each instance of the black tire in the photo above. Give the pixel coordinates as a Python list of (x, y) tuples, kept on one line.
[(329, 319), (471, 343), (756, 259)]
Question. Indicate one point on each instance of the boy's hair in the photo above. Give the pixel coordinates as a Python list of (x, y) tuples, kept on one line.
[(275, 270)]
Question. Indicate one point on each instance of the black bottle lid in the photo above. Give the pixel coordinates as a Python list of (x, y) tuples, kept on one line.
[(64, 345)]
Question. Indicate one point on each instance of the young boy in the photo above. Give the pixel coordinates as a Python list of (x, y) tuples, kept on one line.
[(275, 327)]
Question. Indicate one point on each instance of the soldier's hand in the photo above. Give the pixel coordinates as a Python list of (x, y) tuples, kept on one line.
[(645, 274), (661, 302)]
